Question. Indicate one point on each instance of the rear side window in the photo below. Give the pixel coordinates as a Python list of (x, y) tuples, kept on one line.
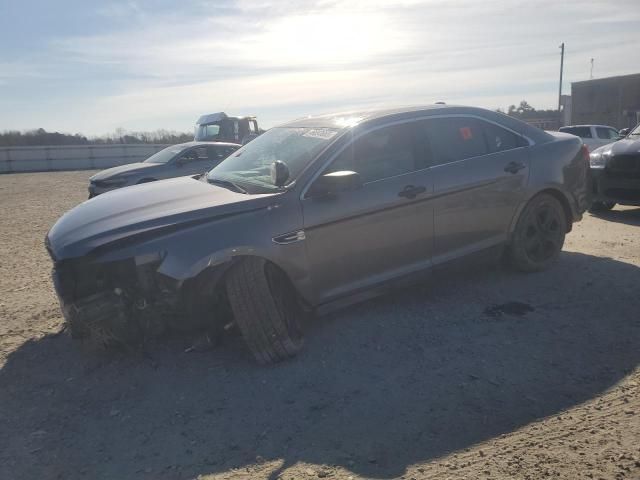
[(500, 139), (455, 138), (383, 153), (606, 133), (582, 132)]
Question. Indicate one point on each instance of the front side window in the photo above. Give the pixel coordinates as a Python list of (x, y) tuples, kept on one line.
[(383, 153), (296, 147), (190, 155), (606, 133), (455, 138), (220, 152)]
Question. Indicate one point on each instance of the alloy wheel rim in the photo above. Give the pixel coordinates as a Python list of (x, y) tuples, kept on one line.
[(542, 234)]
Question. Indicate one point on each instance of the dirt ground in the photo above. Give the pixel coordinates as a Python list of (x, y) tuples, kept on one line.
[(437, 381)]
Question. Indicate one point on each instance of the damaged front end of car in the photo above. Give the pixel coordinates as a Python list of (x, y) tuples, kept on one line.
[(125, 270), (124, 302), (111, 302)]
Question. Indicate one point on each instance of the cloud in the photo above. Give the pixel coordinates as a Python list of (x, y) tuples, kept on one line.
[(163, 66)]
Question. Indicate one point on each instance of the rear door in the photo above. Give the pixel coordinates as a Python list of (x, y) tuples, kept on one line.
[(361, 238), (480, 171)]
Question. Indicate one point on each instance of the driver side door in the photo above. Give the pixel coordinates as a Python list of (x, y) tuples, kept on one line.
[(361, 238)]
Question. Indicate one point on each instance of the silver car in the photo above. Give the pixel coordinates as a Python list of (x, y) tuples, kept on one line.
[(593, 136), (316, 213), (175, 161)]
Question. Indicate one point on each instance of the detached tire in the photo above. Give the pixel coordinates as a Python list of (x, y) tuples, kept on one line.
[(601, 206), (539, 234), (265, 308)]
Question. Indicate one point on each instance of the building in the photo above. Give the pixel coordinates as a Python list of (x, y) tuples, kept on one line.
[(611, 101)]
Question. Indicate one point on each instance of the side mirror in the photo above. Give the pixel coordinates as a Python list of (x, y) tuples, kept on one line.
[(279, 173), (335, 182), (623, 133)]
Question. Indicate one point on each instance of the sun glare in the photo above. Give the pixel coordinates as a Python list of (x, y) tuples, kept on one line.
[(327, 39)]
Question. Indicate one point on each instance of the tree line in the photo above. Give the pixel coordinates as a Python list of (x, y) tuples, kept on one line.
[(40, 137), (524, 111)]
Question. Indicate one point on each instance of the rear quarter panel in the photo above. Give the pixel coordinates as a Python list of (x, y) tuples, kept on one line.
[(560, 165)]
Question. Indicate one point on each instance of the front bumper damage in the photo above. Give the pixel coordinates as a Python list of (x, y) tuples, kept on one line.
[(125, 301)]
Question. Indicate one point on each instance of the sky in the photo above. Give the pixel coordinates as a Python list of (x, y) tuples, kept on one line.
[(92, 66)]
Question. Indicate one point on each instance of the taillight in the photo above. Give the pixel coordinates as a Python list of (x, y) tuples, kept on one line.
[(585, 153)]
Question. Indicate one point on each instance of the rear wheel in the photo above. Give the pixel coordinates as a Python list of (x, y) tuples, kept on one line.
[(539, 234), (601, 206), (266, 310)]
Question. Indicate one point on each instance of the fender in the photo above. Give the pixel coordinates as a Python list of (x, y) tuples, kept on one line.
[(557, 191)]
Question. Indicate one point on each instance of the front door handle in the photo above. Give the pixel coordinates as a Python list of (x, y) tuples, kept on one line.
[(514, 167), (412, 191)]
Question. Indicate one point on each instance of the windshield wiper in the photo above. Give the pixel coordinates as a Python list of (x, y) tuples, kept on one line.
[(227, 184)]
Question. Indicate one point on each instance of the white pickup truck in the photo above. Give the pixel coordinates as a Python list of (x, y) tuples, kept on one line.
[(593, 136)]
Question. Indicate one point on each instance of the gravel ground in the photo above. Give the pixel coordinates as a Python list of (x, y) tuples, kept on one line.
[(428, 382)]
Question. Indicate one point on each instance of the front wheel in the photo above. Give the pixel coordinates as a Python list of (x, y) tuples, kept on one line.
[(266, 310), (539, 234)]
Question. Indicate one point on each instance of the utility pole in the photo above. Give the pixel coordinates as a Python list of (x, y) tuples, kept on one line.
[(561, 68), (560, 122), (591, 75)]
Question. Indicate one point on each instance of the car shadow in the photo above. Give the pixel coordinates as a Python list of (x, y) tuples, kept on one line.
[(398, 380), (628, 216)]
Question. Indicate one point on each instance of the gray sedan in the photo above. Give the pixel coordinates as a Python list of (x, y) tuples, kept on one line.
[(313, 214), (175, 161)]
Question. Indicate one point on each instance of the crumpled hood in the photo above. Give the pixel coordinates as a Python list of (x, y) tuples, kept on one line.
[(624, 146), (124, 169), (144, 208)]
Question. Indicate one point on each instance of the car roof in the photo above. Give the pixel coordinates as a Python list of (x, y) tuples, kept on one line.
[(199, 143), (350, 119), (219, 116), (590, 125)]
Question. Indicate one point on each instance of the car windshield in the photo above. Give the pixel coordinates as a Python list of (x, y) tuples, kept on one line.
[(251, 165), (164, 156), (636, 131)]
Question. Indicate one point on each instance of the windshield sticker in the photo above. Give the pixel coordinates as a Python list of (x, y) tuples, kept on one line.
[(322, 133)]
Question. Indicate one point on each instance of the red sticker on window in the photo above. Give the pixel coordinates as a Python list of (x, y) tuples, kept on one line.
[(466, 133)]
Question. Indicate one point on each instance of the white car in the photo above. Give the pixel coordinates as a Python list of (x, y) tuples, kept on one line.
[(593, 136)]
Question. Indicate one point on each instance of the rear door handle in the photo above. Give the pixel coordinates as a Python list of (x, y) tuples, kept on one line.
[(514, 167), (412, 191)]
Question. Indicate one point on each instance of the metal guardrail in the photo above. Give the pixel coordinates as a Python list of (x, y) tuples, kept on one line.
[(72, 157)]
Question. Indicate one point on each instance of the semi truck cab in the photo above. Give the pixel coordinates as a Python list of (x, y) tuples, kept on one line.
[(220, 127)]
